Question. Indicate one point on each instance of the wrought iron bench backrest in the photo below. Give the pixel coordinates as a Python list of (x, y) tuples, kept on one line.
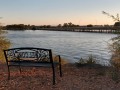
[(28, 53), (30, 56)]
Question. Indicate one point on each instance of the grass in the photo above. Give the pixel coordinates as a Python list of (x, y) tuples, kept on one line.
[(101, 70), (115, 76), (91, 63), (83, 62), (4, 44)]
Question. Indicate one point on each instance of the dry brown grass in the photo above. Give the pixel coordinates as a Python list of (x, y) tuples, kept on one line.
[(4, 44), (83, 78)]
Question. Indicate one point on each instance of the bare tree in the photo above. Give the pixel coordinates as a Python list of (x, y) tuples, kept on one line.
[(113, 17)]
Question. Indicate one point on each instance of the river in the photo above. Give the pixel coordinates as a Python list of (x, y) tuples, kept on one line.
[(70, 45)]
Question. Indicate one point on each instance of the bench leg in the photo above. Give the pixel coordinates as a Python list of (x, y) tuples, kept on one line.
[(53, 76), (60, 68), (20, 69), (8, 73), (60, 71), (53, 69)]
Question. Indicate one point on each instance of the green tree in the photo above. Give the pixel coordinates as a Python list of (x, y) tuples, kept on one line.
[(65, 25), (117, 24), (89, 25), (59, 25), (70, 24)]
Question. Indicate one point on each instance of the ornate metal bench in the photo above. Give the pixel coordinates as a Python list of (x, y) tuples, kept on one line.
[(31, 57)]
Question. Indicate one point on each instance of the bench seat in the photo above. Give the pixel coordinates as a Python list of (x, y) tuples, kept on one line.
[(32, 63)]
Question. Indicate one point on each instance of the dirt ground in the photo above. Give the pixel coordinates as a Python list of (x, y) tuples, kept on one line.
[(74, 78)]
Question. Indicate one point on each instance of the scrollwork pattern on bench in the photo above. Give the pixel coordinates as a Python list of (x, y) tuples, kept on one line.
[(30, 56)]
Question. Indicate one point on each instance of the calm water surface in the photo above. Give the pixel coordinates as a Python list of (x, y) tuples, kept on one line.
[(70, 45)]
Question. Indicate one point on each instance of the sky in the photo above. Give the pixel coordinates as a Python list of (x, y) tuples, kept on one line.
[(54, 12)]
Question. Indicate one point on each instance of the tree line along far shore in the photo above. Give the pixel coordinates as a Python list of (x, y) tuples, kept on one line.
[(65, 25)]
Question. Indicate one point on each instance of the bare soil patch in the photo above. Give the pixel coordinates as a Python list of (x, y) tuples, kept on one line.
[(74, 78)]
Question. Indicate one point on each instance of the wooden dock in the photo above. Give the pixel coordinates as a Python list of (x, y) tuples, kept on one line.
[(85, 29)]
